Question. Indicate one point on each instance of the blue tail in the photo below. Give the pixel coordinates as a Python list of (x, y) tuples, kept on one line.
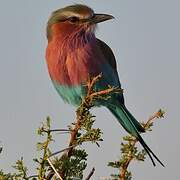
[(132, 126)]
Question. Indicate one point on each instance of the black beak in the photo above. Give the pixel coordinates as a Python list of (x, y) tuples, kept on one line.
[(97, 18)]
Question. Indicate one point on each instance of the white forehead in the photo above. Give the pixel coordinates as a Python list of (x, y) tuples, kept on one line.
[(84, 15)]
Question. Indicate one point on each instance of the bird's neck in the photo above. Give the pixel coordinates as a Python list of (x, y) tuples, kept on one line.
[(71, 41)]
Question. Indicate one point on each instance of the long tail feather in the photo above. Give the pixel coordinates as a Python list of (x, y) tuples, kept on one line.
[(149, 151), (132, 126)]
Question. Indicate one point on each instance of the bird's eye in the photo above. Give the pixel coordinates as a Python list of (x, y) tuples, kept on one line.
[(73, 19)]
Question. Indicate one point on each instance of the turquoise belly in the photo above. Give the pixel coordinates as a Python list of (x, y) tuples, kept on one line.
[(75, 94), (72, 95)]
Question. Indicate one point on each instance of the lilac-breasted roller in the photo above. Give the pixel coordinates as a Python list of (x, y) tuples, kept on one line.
[(74, 54)]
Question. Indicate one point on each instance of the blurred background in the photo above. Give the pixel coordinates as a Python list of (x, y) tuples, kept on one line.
[(146, 42)]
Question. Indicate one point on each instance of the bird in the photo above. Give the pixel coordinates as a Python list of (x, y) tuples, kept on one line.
[(74, 54)]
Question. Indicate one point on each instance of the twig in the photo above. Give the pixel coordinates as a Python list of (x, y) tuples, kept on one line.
[(74, 133), (106, 91), (52, 166), (123, 169), (91, 83), (57, 130), (90, 174), (62, 151), (33, 176), (156, 115), (42, 164)]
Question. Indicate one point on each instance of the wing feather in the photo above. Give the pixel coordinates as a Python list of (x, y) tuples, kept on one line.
[(108, 54)]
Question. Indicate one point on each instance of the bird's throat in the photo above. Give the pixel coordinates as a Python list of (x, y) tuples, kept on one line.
[(72, 59)]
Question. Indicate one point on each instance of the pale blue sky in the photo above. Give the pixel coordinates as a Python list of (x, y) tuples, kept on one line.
[(146, 42)]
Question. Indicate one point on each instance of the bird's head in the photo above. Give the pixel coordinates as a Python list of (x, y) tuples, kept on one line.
[(74, 18)]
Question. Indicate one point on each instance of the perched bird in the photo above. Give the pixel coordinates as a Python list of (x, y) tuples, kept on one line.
[(74, 54)]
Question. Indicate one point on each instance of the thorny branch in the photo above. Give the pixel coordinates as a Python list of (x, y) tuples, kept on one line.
[(87, 103), (85, 106)]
